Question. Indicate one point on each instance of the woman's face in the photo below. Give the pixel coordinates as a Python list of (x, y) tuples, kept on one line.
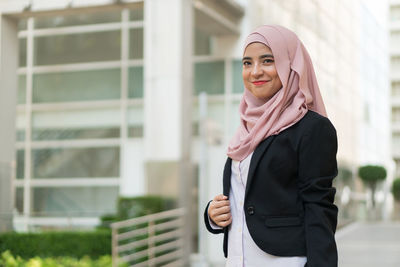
[(259, 73)]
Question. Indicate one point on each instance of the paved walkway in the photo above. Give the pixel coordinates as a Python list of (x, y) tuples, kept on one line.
[(369, 245)]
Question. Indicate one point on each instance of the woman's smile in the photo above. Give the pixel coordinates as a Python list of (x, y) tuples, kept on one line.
[(256, 83)]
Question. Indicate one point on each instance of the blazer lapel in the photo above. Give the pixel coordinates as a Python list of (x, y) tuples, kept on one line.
[(258, 153), (227, 177)]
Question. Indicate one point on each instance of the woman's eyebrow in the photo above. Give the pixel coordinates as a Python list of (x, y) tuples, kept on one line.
[(261, 57), (267, 55)]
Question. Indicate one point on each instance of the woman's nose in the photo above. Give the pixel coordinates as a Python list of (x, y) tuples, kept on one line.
[(256, 71)]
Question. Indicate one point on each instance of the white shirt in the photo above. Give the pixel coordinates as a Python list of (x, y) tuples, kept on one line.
[(242, 251)]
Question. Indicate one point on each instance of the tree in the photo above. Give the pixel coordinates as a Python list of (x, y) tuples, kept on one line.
[(396, 189), (371, 175)]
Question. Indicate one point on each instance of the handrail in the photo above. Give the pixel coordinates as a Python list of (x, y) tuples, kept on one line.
[(149, 240)]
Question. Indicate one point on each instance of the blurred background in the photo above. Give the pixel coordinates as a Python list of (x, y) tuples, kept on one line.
[(113, 109)]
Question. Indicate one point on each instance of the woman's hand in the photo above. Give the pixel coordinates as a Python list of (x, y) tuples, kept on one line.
[(219, 211)]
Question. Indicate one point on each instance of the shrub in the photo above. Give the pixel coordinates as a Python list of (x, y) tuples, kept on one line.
[(106, 220), (8, 260), (344, 173), (396, 189), (53, 244), (143, 205), (371, 175), (131, 207)]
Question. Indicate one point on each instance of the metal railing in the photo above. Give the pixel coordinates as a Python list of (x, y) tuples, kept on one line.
[(151, 240)]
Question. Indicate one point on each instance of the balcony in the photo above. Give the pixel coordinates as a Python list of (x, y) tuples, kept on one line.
[(395, 126), (218, 17), (395, 101), (394, 2), (395, 151), (395, 25)]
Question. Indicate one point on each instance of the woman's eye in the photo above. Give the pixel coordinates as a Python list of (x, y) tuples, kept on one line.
[(268, 61), (246, 63)]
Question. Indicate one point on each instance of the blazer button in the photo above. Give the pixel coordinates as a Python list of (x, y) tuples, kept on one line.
[(250, 210)]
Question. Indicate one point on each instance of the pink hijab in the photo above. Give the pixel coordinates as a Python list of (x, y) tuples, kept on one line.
[(299, 92)]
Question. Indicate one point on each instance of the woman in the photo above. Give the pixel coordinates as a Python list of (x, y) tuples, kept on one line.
[(277, 203)]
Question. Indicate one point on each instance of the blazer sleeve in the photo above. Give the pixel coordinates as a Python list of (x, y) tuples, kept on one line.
[(207, 222), (317, 169)]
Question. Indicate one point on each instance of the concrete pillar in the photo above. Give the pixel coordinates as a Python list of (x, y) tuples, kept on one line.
[(168, 92), (8, 89)]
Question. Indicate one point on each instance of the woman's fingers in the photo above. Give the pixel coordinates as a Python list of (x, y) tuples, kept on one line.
[(219, 201), (220, 197), (219, 204), (223, 217), (222, 210), (215, 215), (219, 207), (225, 223), (219, 211), (224, 220)]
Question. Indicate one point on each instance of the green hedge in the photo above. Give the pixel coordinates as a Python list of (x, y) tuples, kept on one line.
[(9, 260), (53, 244), (396, 189), (143, 205), (132, 207)]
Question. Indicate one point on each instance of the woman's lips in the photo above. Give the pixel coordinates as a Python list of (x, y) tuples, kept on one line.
[(259, 82)]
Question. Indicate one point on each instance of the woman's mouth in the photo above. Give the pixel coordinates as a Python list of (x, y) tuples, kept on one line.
[(256, 83)]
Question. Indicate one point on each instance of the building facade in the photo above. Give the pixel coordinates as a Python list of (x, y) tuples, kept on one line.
[(106, 98), (394, 24)]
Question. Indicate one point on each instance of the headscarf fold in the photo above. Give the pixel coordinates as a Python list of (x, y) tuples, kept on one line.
[(299, 92)]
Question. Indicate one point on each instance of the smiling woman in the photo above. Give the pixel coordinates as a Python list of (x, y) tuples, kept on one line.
[(277, 207), (260, 76)]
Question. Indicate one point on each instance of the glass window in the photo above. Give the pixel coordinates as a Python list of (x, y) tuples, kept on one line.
[(136, 82), (395, 13), (395, 63), (195, 128), (78, 19), (75, 133), (20, 164), (21, 123), (76, 124), (209, 77), (136, 43), (396, 140), (75, 162), (395, 88), (396, 115), (136, 14), (74, 48), (22, 52), (21, 89), (77, 86), (22, 24), (19, 199), (74, 201), (135, 121), (20, 135), (395, 40), (202, 43), (237, 80)]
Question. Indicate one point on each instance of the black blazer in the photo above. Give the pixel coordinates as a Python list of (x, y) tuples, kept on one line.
[(289, 196)]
